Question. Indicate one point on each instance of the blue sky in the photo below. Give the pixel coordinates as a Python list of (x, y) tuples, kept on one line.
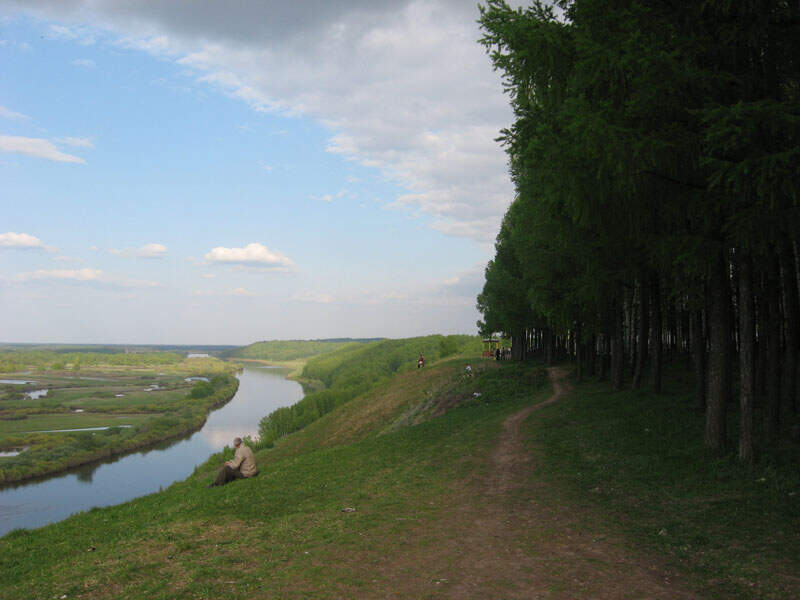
[(216, 184)]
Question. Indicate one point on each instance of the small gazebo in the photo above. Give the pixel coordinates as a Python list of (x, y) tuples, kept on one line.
[(489, 347)]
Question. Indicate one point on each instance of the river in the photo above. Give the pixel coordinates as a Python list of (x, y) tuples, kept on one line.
[(36, 503)]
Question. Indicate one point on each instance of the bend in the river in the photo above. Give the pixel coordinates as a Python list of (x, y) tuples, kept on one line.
[(36, 503)]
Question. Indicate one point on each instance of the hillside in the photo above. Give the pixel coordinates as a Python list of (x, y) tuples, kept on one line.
[(460, 487), (290, 350)]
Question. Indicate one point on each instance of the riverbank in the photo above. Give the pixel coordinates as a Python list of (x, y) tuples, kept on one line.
[(294, 367), (406, 490)]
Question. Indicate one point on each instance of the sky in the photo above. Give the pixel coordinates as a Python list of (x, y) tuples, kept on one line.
[(225, 172)]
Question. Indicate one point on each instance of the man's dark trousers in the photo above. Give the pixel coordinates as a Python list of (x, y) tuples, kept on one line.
[(227, 474)]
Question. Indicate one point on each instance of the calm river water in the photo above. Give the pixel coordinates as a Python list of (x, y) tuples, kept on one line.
[(261, 390)]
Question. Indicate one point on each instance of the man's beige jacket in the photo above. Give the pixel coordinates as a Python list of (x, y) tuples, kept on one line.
[(245, 461)]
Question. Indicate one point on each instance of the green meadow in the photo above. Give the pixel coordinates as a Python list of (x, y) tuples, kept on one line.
[(140, 398), (381, 497)]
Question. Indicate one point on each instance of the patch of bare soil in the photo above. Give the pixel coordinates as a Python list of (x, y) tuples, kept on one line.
[(509, 536)]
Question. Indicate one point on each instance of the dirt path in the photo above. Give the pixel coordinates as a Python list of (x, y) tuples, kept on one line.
[(514, 539)]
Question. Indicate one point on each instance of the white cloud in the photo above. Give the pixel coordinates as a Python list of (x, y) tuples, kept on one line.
[(82, 35), (84, 276), (240, 292), (252, 255), (63, 274), (208, 275), (323, 198), (314, 297), (76, 141), (62, 258), (7, 113), (147, 251), (234, 292), (20, 240), (402, 85), (86, 63), (467, 284), (37, 147)]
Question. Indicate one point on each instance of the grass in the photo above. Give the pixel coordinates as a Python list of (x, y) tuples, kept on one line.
[(47, 422), (282, 534), (402, 455), (287, 350), (638, 460)]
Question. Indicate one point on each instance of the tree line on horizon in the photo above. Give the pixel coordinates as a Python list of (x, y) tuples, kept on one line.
[(655, 159)]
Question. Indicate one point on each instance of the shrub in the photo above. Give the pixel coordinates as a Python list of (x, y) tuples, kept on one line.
[(201, 389)]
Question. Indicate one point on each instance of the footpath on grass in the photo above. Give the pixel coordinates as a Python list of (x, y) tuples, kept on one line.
[(513, 537), (434, 484)]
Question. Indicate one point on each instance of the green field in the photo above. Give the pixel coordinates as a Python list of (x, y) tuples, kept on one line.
[(153, 398), (45, 422)]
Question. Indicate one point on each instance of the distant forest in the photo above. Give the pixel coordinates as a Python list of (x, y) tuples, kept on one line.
[(656, 158), (115, 348)]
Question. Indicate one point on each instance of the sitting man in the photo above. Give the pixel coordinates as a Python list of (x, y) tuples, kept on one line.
[(242, 465)]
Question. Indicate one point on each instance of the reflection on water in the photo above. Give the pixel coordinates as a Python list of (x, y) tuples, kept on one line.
[(36, 503)]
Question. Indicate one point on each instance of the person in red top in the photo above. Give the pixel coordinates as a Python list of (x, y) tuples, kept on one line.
[(421, 361)]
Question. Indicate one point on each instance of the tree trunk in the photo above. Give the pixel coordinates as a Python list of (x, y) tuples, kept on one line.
[(686, 337), (747, 341), (518, 346), (591, 353), (644, 330), (579, 353), (672, 332), (760, 284), (792, 311), (617, 349), (773, 357), (719, 359), (602, 371), (548, 347), (656, 362), (699, 360)]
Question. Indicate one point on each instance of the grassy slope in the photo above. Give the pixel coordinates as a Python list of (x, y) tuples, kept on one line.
[(286, 350), (631, 461), (281, 534)]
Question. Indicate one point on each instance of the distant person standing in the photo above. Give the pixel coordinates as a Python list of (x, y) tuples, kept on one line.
[(242, 466), (420, 361), (497, 354)]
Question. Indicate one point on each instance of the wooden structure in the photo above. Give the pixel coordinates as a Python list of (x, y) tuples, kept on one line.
[(489, 347)]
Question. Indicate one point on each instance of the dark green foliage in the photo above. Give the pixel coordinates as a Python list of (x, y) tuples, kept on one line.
[(655, 147), (202, 389)]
